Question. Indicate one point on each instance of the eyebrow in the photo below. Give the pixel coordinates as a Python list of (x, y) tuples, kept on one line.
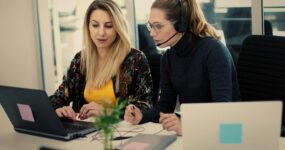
[(155, 22)]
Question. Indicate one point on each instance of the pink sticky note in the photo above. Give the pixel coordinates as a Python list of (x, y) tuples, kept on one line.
[(136, 146), (26, 112)]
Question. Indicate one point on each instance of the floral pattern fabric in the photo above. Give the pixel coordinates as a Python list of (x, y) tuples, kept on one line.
[(135, 83)]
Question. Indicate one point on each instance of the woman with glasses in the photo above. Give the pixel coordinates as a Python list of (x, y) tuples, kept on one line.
[(197, 68), (106, 70)]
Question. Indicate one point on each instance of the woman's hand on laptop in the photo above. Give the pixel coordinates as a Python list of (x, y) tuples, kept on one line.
[(91, 109), (170, 122), (66, 112), (133, 114)]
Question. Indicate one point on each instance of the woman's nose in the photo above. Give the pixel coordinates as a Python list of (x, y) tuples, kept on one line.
[(152, 32), (101, 30)]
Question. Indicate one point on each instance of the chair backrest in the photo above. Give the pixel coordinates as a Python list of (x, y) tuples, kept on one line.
[(261, 69), (146, 42)]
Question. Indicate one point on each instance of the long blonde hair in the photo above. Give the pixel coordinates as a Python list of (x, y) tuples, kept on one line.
[(119, 49), (195, 18)]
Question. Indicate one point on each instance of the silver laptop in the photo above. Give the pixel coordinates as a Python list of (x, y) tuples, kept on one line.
[(148, 142), (231, 126), (31, 112)]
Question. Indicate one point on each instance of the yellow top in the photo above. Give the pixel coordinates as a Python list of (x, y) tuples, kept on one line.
[(100, 95)]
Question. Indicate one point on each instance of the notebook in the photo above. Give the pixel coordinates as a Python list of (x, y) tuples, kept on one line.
[(148, 142), (31, 112), (234, 125)]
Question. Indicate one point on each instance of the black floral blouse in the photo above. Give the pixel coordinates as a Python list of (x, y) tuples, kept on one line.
[(135, 83)]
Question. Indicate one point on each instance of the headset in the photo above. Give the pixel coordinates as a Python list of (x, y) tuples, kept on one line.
[(181, 25)]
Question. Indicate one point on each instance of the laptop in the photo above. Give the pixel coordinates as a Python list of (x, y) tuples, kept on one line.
[(31, 112), (234, 125), (148, 142)]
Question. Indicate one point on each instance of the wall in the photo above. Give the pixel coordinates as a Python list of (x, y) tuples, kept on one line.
[(19, 53)]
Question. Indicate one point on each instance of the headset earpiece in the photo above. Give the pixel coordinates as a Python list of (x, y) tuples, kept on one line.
[(181, 25)]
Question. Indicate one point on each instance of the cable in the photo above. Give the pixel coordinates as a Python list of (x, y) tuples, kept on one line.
[(158, 132), (99, 136), (134, 130)]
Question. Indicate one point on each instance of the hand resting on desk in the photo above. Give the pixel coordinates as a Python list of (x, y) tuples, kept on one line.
[(169, 122)]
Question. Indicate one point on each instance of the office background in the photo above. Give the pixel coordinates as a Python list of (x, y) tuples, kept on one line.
[(39, 37)]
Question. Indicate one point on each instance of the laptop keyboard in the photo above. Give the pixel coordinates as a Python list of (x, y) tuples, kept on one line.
[(74, 126), (70, 128)]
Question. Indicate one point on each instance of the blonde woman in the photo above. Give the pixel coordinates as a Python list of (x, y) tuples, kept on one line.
[(197, 68), (107, 69)]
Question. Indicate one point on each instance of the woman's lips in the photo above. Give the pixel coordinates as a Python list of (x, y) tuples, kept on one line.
[(102, 40)]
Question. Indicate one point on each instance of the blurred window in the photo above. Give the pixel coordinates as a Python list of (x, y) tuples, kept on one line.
[(274, 12)]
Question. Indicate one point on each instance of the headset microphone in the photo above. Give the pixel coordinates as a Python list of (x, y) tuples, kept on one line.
[(166, 40)]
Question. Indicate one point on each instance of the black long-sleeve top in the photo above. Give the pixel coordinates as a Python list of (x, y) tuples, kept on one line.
[(195, 72)]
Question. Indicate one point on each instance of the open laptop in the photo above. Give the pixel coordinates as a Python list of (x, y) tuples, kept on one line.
[(31, 112), (234, 125)]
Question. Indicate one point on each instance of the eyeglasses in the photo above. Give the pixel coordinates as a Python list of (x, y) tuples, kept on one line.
[(156, 27)]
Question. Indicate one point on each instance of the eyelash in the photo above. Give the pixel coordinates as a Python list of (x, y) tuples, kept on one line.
[(158, 26), (106, 26)]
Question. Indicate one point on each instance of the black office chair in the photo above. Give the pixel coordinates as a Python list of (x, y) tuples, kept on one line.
[(261, 70), (147, 45)]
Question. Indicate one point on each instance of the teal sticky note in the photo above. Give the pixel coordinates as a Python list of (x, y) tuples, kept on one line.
[(230, 133)]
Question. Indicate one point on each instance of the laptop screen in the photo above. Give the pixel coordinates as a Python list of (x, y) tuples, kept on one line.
[(30, 111)]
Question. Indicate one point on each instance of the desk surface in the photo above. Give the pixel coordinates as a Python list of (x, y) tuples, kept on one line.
[(11, 140)]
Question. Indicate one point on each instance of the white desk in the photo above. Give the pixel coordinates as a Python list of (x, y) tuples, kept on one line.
[(11, 140)]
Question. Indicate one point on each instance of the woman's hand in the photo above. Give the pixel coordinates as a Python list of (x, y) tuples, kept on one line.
[(66, 112), (133, 114), (170, 122), (91, 109)]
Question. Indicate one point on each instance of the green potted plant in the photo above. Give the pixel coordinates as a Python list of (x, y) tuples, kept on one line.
[(108, 120)]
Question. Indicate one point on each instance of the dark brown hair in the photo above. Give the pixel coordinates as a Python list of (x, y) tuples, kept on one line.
[(195, 18)]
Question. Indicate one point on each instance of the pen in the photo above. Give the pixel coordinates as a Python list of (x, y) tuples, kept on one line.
[(132, 113)]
